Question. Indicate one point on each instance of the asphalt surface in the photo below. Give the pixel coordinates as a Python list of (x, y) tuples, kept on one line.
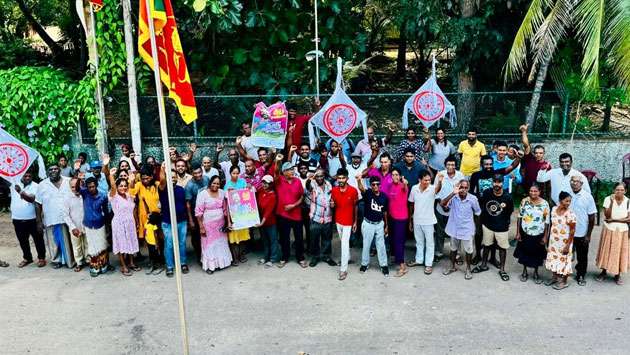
[(253, 310)]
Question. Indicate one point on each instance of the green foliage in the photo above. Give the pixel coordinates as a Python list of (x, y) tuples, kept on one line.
[(41, 106), (18, 51), (111, 46)]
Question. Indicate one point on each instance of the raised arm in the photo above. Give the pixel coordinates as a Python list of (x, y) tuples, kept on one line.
[(112, 181), (162, 184), (218, 151), (524, 139), (360, 185)]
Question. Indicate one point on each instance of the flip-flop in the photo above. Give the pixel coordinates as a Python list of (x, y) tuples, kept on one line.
[(504, 276), (524, 277), (342, 276), (468, 275), (4, 264), (537, 280), (619, 281), (551, 282), (41, 263), (428, 270), (448, 271), (558, 286), (126, 272), (303, 264), (401, 273), (413, 264), (600, 278), (78, 268), (479, 269), (281, 264), (23, 263)]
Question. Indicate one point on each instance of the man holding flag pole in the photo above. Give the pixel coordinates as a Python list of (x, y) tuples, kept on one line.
[(160, 47)]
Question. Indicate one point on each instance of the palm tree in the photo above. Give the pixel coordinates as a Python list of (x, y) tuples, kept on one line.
[(602, 27)]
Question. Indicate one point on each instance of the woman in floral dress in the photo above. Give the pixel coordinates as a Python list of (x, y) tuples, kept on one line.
[(559, 252), (211, 211), (124, 232), (532, 229)]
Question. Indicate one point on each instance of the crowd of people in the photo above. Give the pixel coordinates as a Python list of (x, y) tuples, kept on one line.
[(375, 194)]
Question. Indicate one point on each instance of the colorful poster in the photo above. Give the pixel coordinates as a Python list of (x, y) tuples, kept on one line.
[(429, 104), (269, 125), (243, 208), (339, 116)]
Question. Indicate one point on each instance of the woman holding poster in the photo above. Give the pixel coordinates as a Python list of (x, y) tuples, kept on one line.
[(211, 212), (236, 236)]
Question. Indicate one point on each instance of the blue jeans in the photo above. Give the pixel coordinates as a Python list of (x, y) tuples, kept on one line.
[(270, 241), (168, 244)]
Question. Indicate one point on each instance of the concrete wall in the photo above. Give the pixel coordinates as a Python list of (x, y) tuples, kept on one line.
[(602, 154)]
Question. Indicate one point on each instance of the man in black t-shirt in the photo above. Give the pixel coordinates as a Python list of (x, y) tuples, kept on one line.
[(496, 208), (374, 223)]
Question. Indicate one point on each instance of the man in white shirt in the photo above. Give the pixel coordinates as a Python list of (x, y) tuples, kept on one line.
[(560, 177), (73, 218), (451, 178), (208, 170), (245, 141), (336, 160), (24, 219), (364, 148), (233, 159), (583, 205), (422, 198), (51, 194)]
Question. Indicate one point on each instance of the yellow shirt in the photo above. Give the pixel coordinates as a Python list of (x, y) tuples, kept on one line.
[(150, 233), (471, 156), (147, 197)]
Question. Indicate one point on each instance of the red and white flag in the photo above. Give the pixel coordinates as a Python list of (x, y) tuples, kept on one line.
[(16, 158)]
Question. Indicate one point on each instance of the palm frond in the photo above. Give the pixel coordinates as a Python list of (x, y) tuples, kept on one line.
[(589, 23), (551, 31), (617, 34), (517, 59)]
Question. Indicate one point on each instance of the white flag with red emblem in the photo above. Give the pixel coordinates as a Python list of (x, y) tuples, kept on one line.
[(339, 116), (429, 104), (16, 158)]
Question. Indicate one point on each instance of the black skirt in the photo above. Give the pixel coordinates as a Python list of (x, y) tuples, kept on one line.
[(529, 251)]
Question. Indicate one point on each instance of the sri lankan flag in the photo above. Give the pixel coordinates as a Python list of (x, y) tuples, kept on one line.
[(97, 5), (173, 71)]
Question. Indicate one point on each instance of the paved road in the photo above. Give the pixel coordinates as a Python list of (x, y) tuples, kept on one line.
[(252, 310)]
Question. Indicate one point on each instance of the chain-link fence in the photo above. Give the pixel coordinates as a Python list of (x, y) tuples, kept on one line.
[(493, 113)]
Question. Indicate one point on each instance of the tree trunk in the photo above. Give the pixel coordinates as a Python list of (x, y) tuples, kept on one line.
[(465, 81), (134, 116), (533, 104), (401, 59), (54, 47), (607, 113)]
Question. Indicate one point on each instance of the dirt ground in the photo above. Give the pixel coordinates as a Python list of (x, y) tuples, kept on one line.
[(252, 310)]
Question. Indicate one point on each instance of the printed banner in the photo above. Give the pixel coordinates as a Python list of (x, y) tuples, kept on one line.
[(339, 116), (16, 158), (429, 104), (269, 125), (243, 208)]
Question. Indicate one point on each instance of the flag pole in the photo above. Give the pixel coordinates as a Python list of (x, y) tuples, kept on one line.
[(134, 116), (169, 177), (316, 53), (99, 95)]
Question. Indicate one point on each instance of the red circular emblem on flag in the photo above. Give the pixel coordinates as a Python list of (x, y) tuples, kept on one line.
[(340, 119), (428, 106), (13, 159)]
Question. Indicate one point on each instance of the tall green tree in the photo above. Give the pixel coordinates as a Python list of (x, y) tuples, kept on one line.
[(602, 27)]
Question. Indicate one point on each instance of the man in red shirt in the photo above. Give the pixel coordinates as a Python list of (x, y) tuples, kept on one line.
[(289, 213), (344, 201), (266, 199), (533, 161), (297, 123)]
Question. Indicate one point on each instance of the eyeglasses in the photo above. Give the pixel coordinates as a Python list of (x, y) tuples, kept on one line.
[(376, 183)]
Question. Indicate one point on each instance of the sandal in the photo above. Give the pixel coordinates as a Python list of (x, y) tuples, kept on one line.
[(4, 264), (618, 280), (281, 264), (428, 270), (78, 268), (413, 264), (581, 281), (560, 286), (234, 263), (125, 272), (504, 276), (23, 263), (342, 276), (551, 282), (185, 269), (537, 279), (600, 277), (449, 271), (41, 263), (524, 277), (401, 272), (242, 259), (479, 269), (135, 268), (468, 275), (209, 272), (303, 264)]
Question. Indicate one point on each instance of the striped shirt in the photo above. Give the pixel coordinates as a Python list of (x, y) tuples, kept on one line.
[(320, 211)]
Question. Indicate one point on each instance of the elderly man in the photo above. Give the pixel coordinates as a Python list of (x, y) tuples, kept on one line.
[(461, 223), (24, 218), (73, 217), (51, 195), (318, 191), (233, 160), (288, 211), (560, 177), (208, 170), (94, 212), (533, 160), (583, 205)]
